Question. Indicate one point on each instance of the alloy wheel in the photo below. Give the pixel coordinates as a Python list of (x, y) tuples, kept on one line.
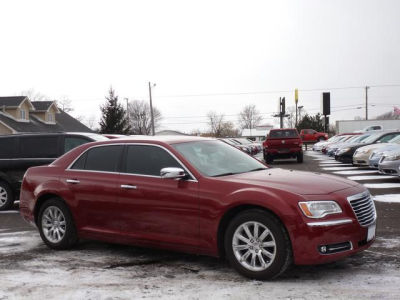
[(254, 246), (3, 196), (53, 224)]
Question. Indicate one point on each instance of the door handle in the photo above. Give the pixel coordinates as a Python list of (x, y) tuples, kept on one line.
[(128, 187), (73, 181)]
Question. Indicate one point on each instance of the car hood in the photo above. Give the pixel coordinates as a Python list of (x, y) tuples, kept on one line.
[(372, 147), (298, 182)]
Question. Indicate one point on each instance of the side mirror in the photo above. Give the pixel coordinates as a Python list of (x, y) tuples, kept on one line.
[(172, 173)]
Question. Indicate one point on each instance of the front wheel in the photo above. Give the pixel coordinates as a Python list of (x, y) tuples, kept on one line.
[(257, 245), (56, 226), (6, 196), (300, 157)]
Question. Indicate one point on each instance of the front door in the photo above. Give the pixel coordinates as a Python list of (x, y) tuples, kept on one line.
[(156, 209)]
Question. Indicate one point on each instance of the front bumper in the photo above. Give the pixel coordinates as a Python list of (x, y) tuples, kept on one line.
[(318, 241), (361, 159), (390, 167)]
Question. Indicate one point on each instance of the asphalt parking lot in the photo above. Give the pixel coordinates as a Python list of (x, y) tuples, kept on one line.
[(94, 270)]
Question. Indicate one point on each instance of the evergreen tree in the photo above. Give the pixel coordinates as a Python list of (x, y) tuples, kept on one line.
[(311, 122), (113, 119)]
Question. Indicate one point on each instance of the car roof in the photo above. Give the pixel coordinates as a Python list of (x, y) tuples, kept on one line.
[(280, 129), (167, 139)]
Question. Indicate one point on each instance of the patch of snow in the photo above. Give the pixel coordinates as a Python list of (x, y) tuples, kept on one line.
[(389, 198), (372, 177), (9, 212), (356, 172), (339, 168), (382, 185)]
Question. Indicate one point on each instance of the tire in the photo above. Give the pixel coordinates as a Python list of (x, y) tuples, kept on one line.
[(62, 221), (279, 248), (321, 139), (6, 196), (300, 157), (268, 159)]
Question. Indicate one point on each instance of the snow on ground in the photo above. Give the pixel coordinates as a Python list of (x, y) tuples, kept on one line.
[(339, 168), (371, 177), (353, 172), (105, 271), (390, 198), (382, 185)]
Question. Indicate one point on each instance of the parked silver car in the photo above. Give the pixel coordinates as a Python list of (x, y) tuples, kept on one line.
[(390, 163)]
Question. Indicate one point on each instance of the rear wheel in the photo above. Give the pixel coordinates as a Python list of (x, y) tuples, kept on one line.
[(300, 157), (56, 226), (6, 196), (257, 245)]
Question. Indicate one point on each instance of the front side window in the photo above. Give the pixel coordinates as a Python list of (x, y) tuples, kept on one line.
[(103, 158), (214, 158), (387, 138), (148, 160)]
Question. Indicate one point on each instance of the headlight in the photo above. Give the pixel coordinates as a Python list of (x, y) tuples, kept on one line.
[(319, 209), (393, 157), (341, 151)]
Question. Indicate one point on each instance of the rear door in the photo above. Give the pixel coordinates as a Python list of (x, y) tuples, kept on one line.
[(93, 180)]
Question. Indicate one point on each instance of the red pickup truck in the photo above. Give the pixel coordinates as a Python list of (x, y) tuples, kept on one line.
[(283, 143), (310, 135)]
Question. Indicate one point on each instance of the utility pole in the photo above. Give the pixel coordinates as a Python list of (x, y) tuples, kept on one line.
[(127, 109), (366, 102), (151, 108)]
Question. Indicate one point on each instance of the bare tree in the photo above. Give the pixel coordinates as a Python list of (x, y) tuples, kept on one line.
[(390, 115), (140, 117), (34, 96), (215, 122), (249, 117), (290, 120), (65, 104), (219, 127)]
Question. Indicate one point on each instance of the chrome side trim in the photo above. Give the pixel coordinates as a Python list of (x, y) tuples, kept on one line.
[(330, 223), (129, 144)]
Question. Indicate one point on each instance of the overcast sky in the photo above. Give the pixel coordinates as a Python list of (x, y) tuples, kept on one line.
[(243, 49)]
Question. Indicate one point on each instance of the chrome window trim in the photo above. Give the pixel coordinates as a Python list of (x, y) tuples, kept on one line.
[(131, 174), (330, 223)]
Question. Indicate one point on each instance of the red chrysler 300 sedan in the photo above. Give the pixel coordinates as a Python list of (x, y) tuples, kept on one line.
[(200, 196)]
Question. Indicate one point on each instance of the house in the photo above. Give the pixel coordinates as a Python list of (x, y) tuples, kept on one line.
[(19, 114), (258, 133)]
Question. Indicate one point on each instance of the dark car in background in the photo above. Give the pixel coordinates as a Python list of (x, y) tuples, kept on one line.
[(21, 151), (283, 143), (345, 154)]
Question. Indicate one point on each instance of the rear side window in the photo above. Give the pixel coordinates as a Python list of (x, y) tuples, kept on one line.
[(148, 160), (8, 147), (282, 134), (39, 147), (104, 158), (73, 142)]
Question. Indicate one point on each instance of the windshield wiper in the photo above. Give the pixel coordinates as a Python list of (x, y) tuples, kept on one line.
[(224, 174), (258, 169)]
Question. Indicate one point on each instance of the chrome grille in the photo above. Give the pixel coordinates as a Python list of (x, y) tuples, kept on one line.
[(363, 207)]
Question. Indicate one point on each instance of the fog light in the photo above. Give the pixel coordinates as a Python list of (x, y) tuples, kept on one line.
[(323, 249)]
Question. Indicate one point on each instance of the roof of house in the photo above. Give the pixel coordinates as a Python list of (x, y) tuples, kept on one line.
[(42, 105), (64, 123), (12, 101)]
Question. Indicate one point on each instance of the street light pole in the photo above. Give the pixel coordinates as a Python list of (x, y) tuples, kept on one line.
[(366, 102), (151, 109)]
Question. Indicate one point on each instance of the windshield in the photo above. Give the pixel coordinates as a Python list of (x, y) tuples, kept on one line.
[(215, 158), (243, 141), (371, 138), (395, 140), (282, 134)]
